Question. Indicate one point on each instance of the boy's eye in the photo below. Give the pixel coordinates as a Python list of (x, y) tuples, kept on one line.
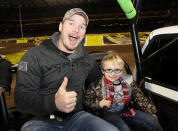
[(116, 71), (109, 70)]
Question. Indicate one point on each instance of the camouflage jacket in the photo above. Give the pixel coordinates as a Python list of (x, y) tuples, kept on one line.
[(94, 95)]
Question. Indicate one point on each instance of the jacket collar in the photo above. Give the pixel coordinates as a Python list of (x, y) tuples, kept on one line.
[(79, 52)]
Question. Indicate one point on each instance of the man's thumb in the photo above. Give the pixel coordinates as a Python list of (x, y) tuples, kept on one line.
[(64, 83)]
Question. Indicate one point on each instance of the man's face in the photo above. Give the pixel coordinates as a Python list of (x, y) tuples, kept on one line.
[(72, 33)]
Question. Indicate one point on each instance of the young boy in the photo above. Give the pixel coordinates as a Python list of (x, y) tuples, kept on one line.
[(114, 91)]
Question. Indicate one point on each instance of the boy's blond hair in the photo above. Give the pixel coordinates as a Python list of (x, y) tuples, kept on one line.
[(112, 56)]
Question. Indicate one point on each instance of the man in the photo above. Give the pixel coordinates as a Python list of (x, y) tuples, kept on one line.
[(5, 85), (51, 77), (5, 74)]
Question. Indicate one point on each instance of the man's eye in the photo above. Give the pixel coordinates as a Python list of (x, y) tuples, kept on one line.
[(71, 23), (82, 27)]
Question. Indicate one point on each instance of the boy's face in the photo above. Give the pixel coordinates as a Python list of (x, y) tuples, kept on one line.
[(112, 70)]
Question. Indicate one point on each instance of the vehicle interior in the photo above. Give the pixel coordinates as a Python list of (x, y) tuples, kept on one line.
[(158, 60), (160, 63)]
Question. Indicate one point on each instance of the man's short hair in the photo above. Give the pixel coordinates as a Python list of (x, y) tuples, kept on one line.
[(73, 11)]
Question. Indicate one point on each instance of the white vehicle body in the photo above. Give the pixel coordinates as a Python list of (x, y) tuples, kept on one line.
[(158, 89), (160, 68)]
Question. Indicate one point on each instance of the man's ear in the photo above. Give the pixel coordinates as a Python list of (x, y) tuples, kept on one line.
[(60, 26)]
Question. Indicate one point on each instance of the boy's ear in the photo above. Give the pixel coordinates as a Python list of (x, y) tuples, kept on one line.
[(102, 71)]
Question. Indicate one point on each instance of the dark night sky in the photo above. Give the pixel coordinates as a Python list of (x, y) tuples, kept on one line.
[(41, 17)]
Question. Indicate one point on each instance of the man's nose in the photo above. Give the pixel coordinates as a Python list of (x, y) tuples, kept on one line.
[(76, 29)]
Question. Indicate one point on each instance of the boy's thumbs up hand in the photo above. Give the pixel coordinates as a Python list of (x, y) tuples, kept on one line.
[(65, 100)]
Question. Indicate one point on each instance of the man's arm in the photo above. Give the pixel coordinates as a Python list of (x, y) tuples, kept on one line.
[(5, 75), (27, 91)]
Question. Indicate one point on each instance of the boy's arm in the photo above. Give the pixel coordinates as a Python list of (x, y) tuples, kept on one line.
[(141, 100), (93, 96)]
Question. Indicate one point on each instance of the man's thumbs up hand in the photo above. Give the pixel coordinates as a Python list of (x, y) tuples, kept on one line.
[(63, 86), (65, 100)]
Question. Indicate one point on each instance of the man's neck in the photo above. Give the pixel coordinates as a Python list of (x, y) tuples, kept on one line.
[(65, 53)]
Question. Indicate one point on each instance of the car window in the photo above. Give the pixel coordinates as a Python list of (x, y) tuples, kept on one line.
[(162, 66)]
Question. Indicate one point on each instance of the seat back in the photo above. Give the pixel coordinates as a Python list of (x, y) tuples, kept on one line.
[(5, 84), (3, 113)]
